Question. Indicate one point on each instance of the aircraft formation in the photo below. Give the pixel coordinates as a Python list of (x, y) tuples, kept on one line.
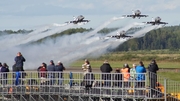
[(136, 14)]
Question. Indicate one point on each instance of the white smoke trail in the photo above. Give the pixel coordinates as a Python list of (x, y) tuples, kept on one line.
[(34, 32), (34, 36), (142, 32), (66, 49), (125, 28), (75, 51), (103, 26)]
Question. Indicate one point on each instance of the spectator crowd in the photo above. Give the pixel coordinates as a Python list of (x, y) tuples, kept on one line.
[(123, 77)]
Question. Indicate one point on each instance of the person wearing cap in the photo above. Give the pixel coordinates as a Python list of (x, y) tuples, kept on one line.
[(106, 70), (126, 74), (51, 72), (153, 68), (59, 72), (140, 71), (86, 67)]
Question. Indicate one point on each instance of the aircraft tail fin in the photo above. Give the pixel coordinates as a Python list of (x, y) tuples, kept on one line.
[(133, 12), (118, 33), (74, 18), (153, 19)]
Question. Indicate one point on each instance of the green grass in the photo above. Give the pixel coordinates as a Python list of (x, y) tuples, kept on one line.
[(119, 64), (164, 58), (172, 75)]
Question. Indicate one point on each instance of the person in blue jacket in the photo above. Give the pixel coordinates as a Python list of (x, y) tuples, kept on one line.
[(140, 70)]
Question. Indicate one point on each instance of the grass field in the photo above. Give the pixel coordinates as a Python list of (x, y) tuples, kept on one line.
[(119, 64), (170, 73), (164, 58)]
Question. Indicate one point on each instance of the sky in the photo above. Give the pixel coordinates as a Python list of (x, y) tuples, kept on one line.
[(29, 14)]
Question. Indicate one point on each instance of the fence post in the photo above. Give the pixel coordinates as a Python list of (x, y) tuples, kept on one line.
[(165, 87)]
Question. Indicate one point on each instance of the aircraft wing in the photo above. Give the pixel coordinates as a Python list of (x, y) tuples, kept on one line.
[(128, 15), (135, 16), (150, 22), (157, 23), (75, 22), (129, 36), (143, 15), (111, 36), (115, 36), (162, 23), (85, 20)]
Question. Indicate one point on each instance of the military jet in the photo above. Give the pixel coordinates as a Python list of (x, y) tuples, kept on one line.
[(135, 14), (156, 21), (120, 35), (78, 19)]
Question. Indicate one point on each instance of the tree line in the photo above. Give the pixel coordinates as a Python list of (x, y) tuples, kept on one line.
[(162, 38)]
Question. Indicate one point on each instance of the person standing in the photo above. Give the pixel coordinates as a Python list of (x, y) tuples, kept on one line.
[(43, 73), (106, 70), (19, 61), (153, 68), (133, 75), (126, 75), (140, 71), (51, 72), (59, 69), (86, 67), (4, 70)]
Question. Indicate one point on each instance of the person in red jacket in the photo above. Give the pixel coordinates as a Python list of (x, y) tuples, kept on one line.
[(43, 73)]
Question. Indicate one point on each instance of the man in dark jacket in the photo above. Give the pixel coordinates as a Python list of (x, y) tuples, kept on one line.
[(19, 59), (153, 68), (19, 62), (59, 69), (51, 72), (106, 76)]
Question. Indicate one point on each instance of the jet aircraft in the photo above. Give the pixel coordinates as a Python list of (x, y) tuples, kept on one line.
[(120, 35), (78, 19), (135, 14), (156, 21)]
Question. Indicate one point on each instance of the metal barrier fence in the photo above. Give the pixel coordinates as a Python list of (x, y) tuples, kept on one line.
[(78, 86)]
